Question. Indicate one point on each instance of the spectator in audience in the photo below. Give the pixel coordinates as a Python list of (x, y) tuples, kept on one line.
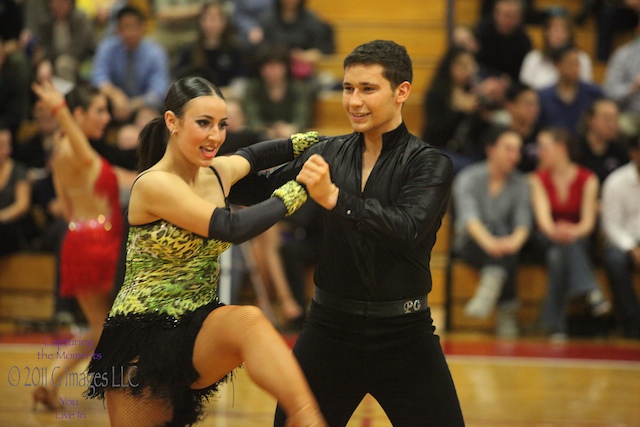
[(464, 38), (35, 151), (563, 104), (532, 15), (622, 84), (275, 103), (523, 107), (67, 38), (215, 54), (612, 16), (247, 15), (14, 88), (565, 202), (238, 133), (176, 23), (15, 197), (306, 36), (600, 148), (130, 69), (621, 226), (450, 97), (493, 219), (503, 40), (538, 69)]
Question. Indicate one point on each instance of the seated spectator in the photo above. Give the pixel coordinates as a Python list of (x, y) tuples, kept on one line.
[(503, 40), (600, 147), (464, 38), (563, 104), (493, 219), (621, 226), (35, 151), (306, 36), (523, 107), (622, 84), (532, 15), (14, 88), (450, 98), (537, 69), (565, 203), (67, 39), (275, 103), (458, 110), (15, 197), (215, 55), (612, 17), (176, 23), (247, 15), (238, 133), (130, 69)]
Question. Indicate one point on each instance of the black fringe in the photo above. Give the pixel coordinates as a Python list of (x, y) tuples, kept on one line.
[(153, 353)]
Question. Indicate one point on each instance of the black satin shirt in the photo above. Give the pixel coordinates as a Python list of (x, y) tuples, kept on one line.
[(377, 243)]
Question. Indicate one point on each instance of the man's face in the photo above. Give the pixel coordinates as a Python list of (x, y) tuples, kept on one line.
[(131, 30), (569, 66), (525, 108), (507, 17), (372, 106)]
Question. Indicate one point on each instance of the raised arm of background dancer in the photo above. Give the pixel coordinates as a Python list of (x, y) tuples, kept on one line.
[(56, 103)]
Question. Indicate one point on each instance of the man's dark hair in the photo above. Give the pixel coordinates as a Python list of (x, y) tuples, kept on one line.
[(634, 143), (393, 58), (515, 90), (130, 10)]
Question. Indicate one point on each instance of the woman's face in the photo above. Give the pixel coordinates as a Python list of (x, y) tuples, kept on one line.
[(202, 129), (463, 69), (549, 150), (558, 32), (213, 22), (95, 119), (274, 71)]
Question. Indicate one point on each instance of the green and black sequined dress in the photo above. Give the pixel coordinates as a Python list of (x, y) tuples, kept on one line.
[(169, 289)]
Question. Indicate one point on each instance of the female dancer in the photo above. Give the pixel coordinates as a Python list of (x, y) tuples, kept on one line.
[(88, 192), (168, 342)]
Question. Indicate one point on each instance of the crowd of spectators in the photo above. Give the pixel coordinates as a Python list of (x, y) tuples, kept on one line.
[(536, 144)]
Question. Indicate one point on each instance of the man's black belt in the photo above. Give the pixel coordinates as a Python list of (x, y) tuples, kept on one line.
[(370, 308)]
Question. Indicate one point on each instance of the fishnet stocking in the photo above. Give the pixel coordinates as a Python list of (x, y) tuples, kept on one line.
[(126, 410)]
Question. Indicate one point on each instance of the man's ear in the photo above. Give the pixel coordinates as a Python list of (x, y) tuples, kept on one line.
[(402, 92)]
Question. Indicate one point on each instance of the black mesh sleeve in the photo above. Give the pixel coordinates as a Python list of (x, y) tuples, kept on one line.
[(246, 223)]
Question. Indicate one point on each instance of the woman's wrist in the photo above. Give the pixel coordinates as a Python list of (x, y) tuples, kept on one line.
[(59, 106)]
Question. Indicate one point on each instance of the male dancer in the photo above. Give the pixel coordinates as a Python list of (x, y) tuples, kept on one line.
[(384, 191)]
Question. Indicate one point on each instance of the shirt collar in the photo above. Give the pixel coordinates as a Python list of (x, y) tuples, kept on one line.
[(392, 138)]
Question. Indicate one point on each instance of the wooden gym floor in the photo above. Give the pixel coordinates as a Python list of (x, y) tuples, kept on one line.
[(527, 382)]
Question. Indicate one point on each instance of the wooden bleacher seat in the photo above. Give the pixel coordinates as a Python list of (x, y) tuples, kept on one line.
[(27, 288)]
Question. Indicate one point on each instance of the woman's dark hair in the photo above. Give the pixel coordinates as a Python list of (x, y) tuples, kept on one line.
[(562, 136), (81, 96), (394, 59), (130, 10), (155, 135), (442, 81), (272, 53), (494, 134), (546, 49)]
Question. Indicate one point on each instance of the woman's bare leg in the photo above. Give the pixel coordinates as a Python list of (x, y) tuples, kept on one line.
[(233, 335), (95, 309)]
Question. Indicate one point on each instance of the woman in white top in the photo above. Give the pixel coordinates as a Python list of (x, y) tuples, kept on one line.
[(537, 68)]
